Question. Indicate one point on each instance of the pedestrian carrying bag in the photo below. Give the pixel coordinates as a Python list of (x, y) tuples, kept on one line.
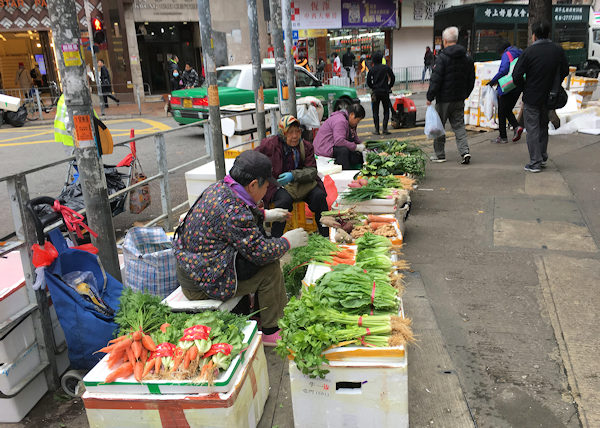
[(139, 198), (433, 124), (150, 264)]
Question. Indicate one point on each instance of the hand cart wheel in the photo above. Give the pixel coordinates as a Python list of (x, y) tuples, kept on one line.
[(72, 383)]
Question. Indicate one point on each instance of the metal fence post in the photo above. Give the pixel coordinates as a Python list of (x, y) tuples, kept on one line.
[(25, 230), (274, 124), (406, 78), (280, 64), (39, 103), (163, 168), (138, 99), (207, 139), (286, 16)]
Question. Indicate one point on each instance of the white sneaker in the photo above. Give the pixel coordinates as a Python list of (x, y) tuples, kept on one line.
[(435, 159)]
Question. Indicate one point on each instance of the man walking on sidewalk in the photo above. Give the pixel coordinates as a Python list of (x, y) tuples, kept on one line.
[(105, 84), (540, 62), (381, 80), (450, 84)]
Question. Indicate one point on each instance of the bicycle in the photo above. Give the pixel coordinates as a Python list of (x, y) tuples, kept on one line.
[(55, 94), (31, 105)]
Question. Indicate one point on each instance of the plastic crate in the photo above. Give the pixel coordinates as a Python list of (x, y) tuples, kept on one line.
[(234, 153), (300, 219)]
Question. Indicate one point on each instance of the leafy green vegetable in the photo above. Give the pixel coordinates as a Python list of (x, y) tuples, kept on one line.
[(138, 310)]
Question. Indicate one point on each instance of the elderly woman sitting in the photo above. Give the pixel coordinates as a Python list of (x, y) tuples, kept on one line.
[(295, 167)]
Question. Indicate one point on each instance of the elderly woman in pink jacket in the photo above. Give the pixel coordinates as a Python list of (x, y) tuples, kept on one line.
[(337, 137)]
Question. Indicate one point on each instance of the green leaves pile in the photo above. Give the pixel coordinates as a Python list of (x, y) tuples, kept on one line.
[(392, 158), (346, 306)]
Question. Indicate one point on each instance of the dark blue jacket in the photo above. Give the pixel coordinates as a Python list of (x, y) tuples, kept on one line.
[(505, 61)]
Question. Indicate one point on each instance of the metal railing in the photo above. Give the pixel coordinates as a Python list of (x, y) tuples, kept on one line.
[(413, 78)]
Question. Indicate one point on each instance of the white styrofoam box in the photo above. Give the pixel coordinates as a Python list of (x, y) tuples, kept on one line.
[(12, 300), (244, 122), (14, 408), (236, 140), (94, 380), (198, 179), (8, 103), (398, 240), (487, 70), (314, 272), (179, 303), (13, 373), (15, 341), (370, 394), (242, 407), (474, 116), (372, 206), (343, 178)]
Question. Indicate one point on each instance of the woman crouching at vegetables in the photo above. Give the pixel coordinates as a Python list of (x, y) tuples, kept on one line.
[(221, 247), (337, 137), (296, 168)]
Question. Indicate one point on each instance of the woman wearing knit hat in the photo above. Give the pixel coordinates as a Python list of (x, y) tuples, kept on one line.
[(295, 168)]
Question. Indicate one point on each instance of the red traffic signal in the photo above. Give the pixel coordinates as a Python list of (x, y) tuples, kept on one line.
[(97, 24)]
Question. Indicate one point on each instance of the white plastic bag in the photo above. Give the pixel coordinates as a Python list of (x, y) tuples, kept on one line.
[(489, 101), (433, 124)]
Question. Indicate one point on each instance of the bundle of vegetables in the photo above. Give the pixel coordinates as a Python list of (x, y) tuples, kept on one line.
[(368, 192), (187, 343), (319, 249), (350, 289), (309, 327), (344, 219), (384, 164), (394, 147)]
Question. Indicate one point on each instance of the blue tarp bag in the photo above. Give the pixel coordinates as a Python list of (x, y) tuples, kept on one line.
[(87, 328)]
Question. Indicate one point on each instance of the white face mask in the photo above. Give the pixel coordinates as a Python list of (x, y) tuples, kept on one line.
[(175, 74)]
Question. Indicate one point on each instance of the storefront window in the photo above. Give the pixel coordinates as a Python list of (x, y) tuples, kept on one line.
[(361, 42)]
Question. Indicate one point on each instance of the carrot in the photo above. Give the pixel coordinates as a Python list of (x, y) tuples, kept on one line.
[(136, 347), (118, 339), (107, 349), (113, 358), (206, 368), (138, 370), (130, 355), (148, 343), (122, 345), (344, 255), (157, 362), (187, 360), (148, 367), (125, 357), (124, 370), (137, 335), (380, 219), (193, 351), (144, 356), (177, 362), (376, 226)]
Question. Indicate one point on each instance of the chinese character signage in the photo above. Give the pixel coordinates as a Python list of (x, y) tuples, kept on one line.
[(369, 13), (572, 13), (316, 14), (502, 13), (419, 13)]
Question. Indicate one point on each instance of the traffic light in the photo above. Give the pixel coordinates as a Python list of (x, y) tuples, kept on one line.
[(98, 29)]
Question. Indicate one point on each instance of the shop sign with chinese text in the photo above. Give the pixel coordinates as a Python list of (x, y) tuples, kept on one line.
[(369, 13), (316, 14)]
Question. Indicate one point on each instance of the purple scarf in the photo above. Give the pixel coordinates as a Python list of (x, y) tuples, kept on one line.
[(240, 191)]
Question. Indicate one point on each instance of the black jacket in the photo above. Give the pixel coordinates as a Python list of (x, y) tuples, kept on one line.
[(105, 77), (348, 59), (539, 62), (429, 58), (380, 78), (453, 76)]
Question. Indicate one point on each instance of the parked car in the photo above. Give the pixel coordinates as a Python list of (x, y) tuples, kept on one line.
[(235, 87)]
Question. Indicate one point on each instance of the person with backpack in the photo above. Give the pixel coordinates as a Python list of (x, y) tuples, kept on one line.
[(508, 99)]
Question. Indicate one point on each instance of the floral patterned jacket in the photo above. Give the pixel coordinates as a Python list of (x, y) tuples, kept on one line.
[(218, 228)]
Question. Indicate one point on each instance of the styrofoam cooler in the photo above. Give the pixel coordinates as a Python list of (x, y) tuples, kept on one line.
[(8, 103), (13, 294), (241, 407), (12, 374), (198, 179), (371, 393), (14, 407)]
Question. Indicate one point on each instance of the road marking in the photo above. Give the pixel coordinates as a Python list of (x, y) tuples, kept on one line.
[(155, 126)]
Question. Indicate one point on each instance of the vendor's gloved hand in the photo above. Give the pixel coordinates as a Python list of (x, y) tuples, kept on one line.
[(276, 214), (285, 178), (296, 238), (360, 147)]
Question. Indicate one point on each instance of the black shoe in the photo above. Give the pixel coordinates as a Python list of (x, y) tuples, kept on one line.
[(386, 132), (532, 168), (377, 132), (466, 158)]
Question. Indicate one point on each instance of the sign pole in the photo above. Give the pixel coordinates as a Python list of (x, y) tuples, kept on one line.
[(66, 35), (257, 83), (286, 12), (280, 66), (88, 11)]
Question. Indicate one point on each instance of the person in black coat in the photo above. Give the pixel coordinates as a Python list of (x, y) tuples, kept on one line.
[(451, 82), (541, 62), (381, 80), (105, 84)]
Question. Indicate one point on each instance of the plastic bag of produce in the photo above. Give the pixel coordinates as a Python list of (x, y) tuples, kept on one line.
[(433, 124), (490, 101)]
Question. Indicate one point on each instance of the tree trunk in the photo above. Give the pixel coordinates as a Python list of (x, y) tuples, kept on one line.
[(539, 10)]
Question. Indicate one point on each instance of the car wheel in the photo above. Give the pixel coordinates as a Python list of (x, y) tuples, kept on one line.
[(342, 104)]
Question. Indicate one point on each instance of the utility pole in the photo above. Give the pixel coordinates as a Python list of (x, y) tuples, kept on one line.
[(66, 35), (277, 40), (286, 12), (88, 17), (210, 69), (257, 83)]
